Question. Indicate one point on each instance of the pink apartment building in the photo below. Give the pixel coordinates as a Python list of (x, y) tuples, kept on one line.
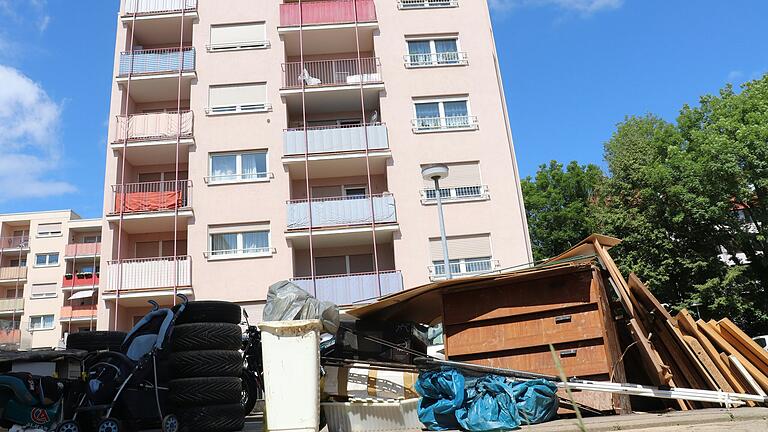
[(257, 141)]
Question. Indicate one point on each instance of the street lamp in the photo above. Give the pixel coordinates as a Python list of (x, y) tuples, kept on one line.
[(436, 173)]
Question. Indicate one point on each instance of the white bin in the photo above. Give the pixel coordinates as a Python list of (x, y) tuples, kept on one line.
[(291, 375)]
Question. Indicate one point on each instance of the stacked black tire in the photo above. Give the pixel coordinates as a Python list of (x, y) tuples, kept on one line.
[(205, 367), (96, 340)]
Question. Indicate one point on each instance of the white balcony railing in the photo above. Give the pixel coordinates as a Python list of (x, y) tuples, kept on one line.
[(464, 267), (341, 211), (352, 288), (14, 242), (11, 304), (151, 196), (151, 7), (332, 72), (149, 273), (330, 139), (456, 193), (157, 61), (425, 4), (154, 126), (436, 59), (427, 124)]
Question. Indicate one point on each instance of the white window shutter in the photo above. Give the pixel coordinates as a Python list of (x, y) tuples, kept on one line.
[(237, 34), (461, 247)]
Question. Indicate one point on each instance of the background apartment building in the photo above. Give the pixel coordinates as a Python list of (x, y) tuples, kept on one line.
[(49, 277), (257, 141)]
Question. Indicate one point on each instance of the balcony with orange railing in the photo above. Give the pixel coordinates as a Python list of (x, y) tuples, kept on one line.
[(74, 250), (327, 12), (80, 280), (75, 312), (151, 197), (10, 337)]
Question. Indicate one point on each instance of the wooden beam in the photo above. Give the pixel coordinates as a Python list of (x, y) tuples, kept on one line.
[(760, 354), (638, 288), (708, 363), (747, 377), (721, 343)]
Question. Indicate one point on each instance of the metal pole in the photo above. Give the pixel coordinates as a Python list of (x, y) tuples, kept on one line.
[(443, 240)]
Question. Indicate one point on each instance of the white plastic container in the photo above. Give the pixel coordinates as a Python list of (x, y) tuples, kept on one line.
[(291, 375), (373, 416)]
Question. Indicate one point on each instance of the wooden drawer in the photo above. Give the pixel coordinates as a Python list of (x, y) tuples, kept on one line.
[(555, 327)]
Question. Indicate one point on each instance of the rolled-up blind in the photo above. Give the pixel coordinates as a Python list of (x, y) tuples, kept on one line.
[(237, 95), (235, 34), (459, 174), (459, 247), (222, 229), (49, 228), (43, 289)]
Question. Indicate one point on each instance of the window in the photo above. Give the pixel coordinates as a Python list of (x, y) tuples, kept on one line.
[(20, 233), (425, 4), (41, 322), (238, 36), (235, 167), (344, 264), (761, 341), (18, 262), (92, 238), (443, 115), (434, 52), (43, 290), (47, 259), (49, 230), (239, 241), (462, 184), (467, 255), (237, 98)]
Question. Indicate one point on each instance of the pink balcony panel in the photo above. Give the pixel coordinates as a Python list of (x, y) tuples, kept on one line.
[(84, 311), (80, 280), (326, 12), (82, 249), (10, 337)]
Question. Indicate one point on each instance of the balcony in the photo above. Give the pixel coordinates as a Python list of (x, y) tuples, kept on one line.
[(157, 61), (14, 243), (334, 139), (80, 280), (147, 274), (326, 12), (8, 305), (464, 267), (341, 211), (426, 4), (436, 59), (151, 197), (331, 73), (77, 250), (456, 194), (352, 288), (9, 339), (158, 7), (437, 124), (154, 127), (83, 312), (12, 274)]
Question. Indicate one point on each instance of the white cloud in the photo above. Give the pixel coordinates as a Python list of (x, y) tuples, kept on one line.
[(29, 148), (42, 25), (584, 7)]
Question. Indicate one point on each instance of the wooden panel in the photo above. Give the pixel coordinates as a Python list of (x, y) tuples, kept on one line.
[(577, 359), (708, 363), (718, 341), (527, 331), (499, 301)]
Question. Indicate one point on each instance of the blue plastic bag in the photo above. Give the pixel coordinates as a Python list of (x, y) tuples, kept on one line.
[(537, 401), (490, 406), (442, 393)]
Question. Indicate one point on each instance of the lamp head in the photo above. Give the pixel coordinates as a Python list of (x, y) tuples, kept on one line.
[(434, 171)]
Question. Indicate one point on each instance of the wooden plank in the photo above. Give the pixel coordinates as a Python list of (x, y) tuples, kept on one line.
[(727, 326), (638, 288), (708, 363), (722, 344), (747, 377), (744, 351), (621, 287)]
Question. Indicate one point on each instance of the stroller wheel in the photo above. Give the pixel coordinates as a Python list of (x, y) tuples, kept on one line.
[(170, 423), (110, 425), (68, 426)]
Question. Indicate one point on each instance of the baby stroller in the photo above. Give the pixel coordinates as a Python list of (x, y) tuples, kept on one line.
[(127, 389)]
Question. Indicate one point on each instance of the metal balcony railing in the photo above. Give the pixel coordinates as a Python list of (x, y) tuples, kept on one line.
[(436, 59), (152, 7), (157, 61), (13, 273), (151, 196), (154, 126), (466, 267), (326, 12), (456, 193), (341, 211), (332, 139), (425, 124), (339, 72), (80, 280), (14, 242), (74, 312), (11, 304), (82, 249), (425, 4), (149, 273), (352, 288)]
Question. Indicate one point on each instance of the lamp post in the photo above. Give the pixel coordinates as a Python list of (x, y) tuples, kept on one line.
[(436, 173)]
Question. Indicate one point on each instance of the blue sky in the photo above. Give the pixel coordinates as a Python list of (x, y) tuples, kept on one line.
[(572, 70)]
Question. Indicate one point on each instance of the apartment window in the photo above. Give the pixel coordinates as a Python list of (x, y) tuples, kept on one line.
[(18, 262), (41, 322), (47, 259), (235, 167), (237, 98), (43, 290), (20, 233), (228, 37), (443, 114), (344, 264), (239, 241), (426, 4), (160, 248), (463, 183), (467, 255), (92, 239), (49, 230), (434, 52)]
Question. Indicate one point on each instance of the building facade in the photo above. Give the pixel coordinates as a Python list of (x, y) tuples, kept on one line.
[(253, 142), (49, 277)]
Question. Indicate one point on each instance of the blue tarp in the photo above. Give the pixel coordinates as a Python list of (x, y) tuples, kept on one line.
[(489, 403)]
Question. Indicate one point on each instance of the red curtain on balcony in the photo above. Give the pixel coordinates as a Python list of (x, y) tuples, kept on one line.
[(149, 201)]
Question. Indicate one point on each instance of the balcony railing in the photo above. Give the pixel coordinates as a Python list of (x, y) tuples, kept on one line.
[(151, 196), (154, 126), (332, 139), (425, 4), (426, 124), (80, 280), (352, 288), (74, 312), (14, 242), (150, 273), (13, 273), (157, 61), (341, 211), (152, 7), (82, 249), (456, 193), (9, 339), (464, 268), (326, 12), (436, 59), (340, 72), (11, 304)]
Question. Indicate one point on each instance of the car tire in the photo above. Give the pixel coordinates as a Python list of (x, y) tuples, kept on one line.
[(208, 363), (209, 311), (212, 418), (186, 392), (206, 336), (96, 340), (251, 391)]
